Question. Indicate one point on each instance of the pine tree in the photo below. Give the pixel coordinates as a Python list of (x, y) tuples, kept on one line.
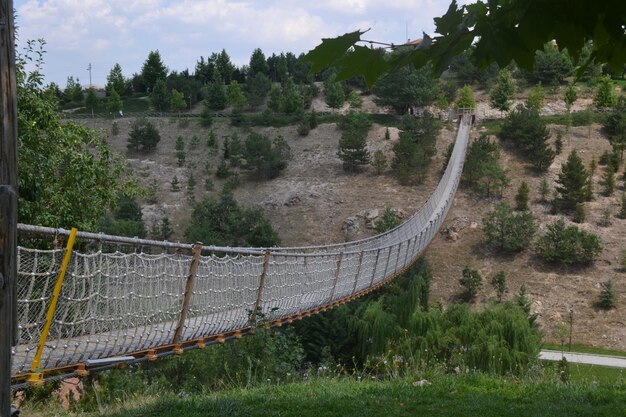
[(609, 182), (544, 190), (622, 213), (114, 104), (160, 97), (313, 119), (379, 162), (471, 281), (503, 91), (608, 296), (521, 198), (499, 284), (579, 213), (175, 184), (573, 182), (180, 150)]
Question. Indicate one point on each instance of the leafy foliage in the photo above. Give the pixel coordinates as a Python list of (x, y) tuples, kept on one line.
[(501, 33), (507, 230), (389, 221), (551, 64), (466, 99), (471, 281), (68, 177), (605, 96), (482, 170), (405, 88), (263, 157), (525, 130), (224, 222), (498, 281), (568, 245), (126, 219), (502, 94), (144, 134), (415, 148)]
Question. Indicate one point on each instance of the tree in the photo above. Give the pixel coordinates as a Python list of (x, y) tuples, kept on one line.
[(153, 70), (615, 127), (143, 133), (180, 150), (292, 102), (571, 95), (334, 95), (353, 142), (264, 159), (389, 221), (258, 63), (551, 65), (498, 281), (499, 32), (114, 104), (224, 222), (257, 87), (605, 96), (608, 296), (405, 88), (508, 231), (568, 245), (379, 162), (160, 96), (116, 81), (528, 132), (73, 92), (471, 281), (609, 181), (355, 100), (224, 66), (482, 170), (216, 93), (91, 100), (177, 101), (502, 94), (236, 97), (536, 97), (206, 117), (276, 99), (573, 183), (466, 99), (68, 176), (521, 198), (126, 219)]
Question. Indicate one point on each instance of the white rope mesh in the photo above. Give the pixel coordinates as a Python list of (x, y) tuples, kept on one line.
[(118, 303)]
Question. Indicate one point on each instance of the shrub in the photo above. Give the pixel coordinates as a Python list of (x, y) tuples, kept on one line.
[(544, 190), (471, 281), (379, 162), (579, 213), (608, 296), (175, 184), (507, 230), (521, 198), (568, 245), (390, 220), (499, 284)]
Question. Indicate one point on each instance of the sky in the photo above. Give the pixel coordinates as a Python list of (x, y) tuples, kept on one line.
[(105, 32)]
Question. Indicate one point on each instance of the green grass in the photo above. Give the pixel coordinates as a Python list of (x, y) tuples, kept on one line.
[(467, 395), (578, 348)]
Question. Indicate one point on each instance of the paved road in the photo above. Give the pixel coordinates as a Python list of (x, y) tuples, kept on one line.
[(588, 358)]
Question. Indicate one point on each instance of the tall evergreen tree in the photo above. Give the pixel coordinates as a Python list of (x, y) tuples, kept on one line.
[(258, 63), (153, 70), (502, 93), (114, 104), (116, 81), (353, 142), (573, 183), (160, 96)]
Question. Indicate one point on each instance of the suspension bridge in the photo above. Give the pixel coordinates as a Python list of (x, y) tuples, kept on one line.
[(104, 301)]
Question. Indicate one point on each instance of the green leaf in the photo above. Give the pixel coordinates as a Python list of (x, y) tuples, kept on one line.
[(449, 22), (364, 61), (330, 50)]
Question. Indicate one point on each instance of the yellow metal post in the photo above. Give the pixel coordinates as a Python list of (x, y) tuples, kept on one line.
[(35, 376)]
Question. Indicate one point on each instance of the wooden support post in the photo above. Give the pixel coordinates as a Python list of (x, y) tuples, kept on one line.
[(259, 294), (8, 202), (196, 250), (332, 293), (358, 272), (36, 377)]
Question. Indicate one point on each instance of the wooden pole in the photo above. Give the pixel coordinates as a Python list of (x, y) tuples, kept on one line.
[(193, 268), (8, 202)]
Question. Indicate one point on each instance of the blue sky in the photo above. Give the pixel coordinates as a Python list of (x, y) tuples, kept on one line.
[(103, 32)]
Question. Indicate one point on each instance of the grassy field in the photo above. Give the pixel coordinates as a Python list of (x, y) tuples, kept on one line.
[(442, 395)]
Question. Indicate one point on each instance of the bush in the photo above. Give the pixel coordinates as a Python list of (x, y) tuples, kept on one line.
[(579, 213), (521, 198), (471, 281), (608, 296), (389, 221), (508, 231), (568, 245), (499, 284)]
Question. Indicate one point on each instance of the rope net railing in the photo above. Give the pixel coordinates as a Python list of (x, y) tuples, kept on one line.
[(130, 303)]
